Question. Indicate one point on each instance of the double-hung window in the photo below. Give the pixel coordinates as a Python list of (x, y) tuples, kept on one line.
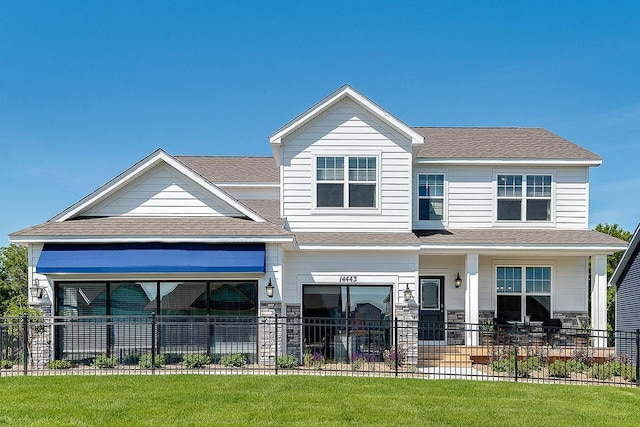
[(523, 290), (357, 188), (430, 197), (524, 198)]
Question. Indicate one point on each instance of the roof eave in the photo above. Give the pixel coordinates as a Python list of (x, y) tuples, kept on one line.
[(626, 258), (515, 162)]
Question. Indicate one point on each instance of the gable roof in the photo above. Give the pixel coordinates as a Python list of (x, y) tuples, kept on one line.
[(323, 105), (138, 170), (233, 169), (627, 258), (500, 143)]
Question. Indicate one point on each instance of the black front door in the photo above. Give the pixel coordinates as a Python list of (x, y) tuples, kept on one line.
[(431, 326)]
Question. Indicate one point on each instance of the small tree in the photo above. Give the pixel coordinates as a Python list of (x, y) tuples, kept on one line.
[(612, 262), (13, 277)]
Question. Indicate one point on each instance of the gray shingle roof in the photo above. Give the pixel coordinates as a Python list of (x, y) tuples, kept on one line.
[(217, 169), (356, 238), (132, 226), (498, 143), (519, 237)]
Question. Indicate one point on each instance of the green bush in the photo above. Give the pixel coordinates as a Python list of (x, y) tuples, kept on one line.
[(235, 360), (195, 360), (629, 373), (601, 371), (288, 361), (6, 364), (59, 364), (146, 361), (525, 367), (103, 361), (563, 369)]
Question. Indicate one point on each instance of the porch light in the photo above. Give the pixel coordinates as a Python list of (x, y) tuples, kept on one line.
[(458, 281), (408, 293), (36, 290), (269, 289)]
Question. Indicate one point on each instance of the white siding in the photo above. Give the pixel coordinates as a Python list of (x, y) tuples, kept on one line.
[(470, 197), (572, 195), (373, 267), (347, 129), (161, 192)]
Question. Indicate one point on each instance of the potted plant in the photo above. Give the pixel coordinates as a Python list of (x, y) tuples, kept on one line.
[(488, 333), (583, 332)]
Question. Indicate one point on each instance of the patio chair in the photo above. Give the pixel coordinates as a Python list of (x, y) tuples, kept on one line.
[(551, 328), (504, 330)]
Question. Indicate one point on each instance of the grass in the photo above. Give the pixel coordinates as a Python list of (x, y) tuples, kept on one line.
[(201, 400)]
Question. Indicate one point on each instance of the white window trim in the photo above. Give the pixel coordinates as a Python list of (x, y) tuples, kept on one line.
[(346, 210), (523, 223), (445, 201), (523, 265)]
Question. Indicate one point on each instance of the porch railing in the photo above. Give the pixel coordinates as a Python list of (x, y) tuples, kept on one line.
[(318, 346)]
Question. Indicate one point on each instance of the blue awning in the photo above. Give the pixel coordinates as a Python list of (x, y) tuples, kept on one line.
[(152, 258)]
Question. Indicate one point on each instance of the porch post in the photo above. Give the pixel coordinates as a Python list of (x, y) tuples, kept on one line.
[(599, 300), (471, 300)]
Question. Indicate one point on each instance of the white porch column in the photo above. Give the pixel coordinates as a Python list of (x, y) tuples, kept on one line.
[(599, 299), (471, 300)]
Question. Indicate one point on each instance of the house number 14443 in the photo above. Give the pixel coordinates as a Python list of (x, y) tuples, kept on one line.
[(348, 279)]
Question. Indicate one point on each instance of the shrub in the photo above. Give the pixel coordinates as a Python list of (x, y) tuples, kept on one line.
[(6, 364), (103, 361), (391, 355), (59, 364), (561, 369), (195, 360), (288, 361), (235, 360), (600, 372), (146, 361), (629, 373)]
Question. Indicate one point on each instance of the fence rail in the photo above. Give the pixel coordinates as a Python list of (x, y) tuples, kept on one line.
[(153, 344)]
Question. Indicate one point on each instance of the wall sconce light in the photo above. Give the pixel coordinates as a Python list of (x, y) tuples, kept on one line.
[(458, 281), (37, 291), (408, 293), (269, 288)]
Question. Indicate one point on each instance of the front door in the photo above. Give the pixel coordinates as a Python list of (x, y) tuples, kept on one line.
[(431, 327)]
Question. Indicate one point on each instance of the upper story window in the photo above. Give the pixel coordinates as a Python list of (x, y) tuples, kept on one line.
[(532, 204), (430, 197), (355, 189)]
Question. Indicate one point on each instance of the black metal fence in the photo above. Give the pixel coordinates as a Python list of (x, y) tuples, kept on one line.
[(314, 346)]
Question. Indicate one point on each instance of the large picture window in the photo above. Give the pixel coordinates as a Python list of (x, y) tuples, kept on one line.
[(355, 189), (430, 197), (519, 295), (524, 198)]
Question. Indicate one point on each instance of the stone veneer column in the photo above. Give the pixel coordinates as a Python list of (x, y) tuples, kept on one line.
[(407, 315), (267, 332), (293, 332), (455, 327)]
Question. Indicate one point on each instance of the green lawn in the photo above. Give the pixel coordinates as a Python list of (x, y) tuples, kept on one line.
[(197, 400)]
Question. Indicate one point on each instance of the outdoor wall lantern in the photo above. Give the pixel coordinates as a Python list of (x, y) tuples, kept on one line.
[(408, 293), (269, 289), (37, 291), (458, 281)]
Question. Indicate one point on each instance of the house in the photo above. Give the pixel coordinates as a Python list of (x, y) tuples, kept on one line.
[(355, 214), (626, 279)]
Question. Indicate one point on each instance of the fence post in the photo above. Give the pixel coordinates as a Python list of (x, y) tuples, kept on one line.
[(276, 337), (395, 345), (637, 357), (25, 337), (153, 342), (515, 361)]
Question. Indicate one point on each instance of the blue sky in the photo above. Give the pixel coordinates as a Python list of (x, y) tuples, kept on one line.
[(89, 88)]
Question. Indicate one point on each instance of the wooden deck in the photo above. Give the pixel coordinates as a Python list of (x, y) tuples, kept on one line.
[(466, 356)]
